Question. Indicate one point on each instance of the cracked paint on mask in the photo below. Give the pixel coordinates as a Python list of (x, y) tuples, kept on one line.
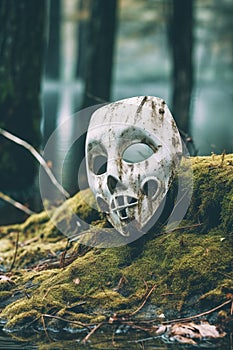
[(133, 148)]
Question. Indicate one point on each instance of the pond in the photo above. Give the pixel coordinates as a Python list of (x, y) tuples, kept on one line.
[(111, 339)]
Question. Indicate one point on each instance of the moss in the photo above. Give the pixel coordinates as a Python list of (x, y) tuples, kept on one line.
[(4, 296), (212, 199), (6, 285), (82, 203), (23, 320), (187, 268), (213, 296)]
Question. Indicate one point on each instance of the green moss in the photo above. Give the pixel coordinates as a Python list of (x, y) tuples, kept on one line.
[(4, 296), (182, 266), (23, 320), (6, 285), (212, 200), (213, 296)]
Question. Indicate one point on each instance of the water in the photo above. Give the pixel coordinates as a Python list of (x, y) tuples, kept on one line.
[(107, 338)]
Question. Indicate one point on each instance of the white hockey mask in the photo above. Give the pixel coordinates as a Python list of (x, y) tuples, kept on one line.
[(133, 148)]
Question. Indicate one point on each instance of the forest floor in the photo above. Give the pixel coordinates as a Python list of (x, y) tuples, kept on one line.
[(49, 282)]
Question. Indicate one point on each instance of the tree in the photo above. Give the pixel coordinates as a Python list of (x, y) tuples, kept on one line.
[(182, 48), (83, 10), (100, 47), (22, 41), (52, 67)]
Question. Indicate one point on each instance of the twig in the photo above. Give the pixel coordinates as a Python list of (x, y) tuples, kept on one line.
[(44, 327), (121, 282), (63, 255), (144, 302), (68, 321), (222, 158), (16, 204), (189, 140), (184, 227), (199, 315), (16, 250), (225, 274), (92, 332), (37, 155), (146, 285), (98, 99), (138, 326)]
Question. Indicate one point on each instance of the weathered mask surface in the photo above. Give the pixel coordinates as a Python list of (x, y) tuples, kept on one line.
[(132, 150)]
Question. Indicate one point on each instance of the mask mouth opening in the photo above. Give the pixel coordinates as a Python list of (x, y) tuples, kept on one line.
[(121, 204)]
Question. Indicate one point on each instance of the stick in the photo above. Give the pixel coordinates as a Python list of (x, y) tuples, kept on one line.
[(144, 302), (184, 227), (98, 99), (16, 250), (199, 315), (44, 327), (68, 321), (92, 332), (16, 204), (37, 155)]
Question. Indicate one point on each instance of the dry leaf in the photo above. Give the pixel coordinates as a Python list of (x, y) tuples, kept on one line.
[(195, 331), (76, 280), (5, 278), (189, 333)]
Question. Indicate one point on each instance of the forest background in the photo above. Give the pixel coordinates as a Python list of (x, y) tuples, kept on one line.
[(59, 56)]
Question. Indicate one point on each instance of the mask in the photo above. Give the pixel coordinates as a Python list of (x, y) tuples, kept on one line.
[(133, 148)]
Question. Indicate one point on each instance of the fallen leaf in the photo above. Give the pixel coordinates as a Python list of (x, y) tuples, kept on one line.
[(5, 278), (184, 340), (76, 280), (196, 331)]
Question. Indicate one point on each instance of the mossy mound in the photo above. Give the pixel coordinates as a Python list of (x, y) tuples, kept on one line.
[(64, 284)]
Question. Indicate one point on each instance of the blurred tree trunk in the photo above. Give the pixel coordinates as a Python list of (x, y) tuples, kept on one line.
[(22, 39), (52, 60), (100, 47), (83, 10), (182, 47)]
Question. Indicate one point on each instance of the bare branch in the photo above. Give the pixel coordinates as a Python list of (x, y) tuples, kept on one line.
[(92, 332), (98, 99), (16, 204), (145, 300), (69, 321), (45, 329), (38, 157), (185, 319), (184, 227)]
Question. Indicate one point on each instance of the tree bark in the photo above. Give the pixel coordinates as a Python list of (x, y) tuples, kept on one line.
[(101, 37), (182, 48), (83, 9), (22, 41), (52, 64)]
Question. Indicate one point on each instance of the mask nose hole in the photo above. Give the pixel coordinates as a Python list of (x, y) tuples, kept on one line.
[(113, 183)]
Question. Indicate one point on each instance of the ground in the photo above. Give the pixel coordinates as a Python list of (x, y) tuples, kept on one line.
[(47, 281)]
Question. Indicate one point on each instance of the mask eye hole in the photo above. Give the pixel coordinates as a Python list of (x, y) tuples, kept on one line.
[(99, 164), (150, 188), (137, 153)]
